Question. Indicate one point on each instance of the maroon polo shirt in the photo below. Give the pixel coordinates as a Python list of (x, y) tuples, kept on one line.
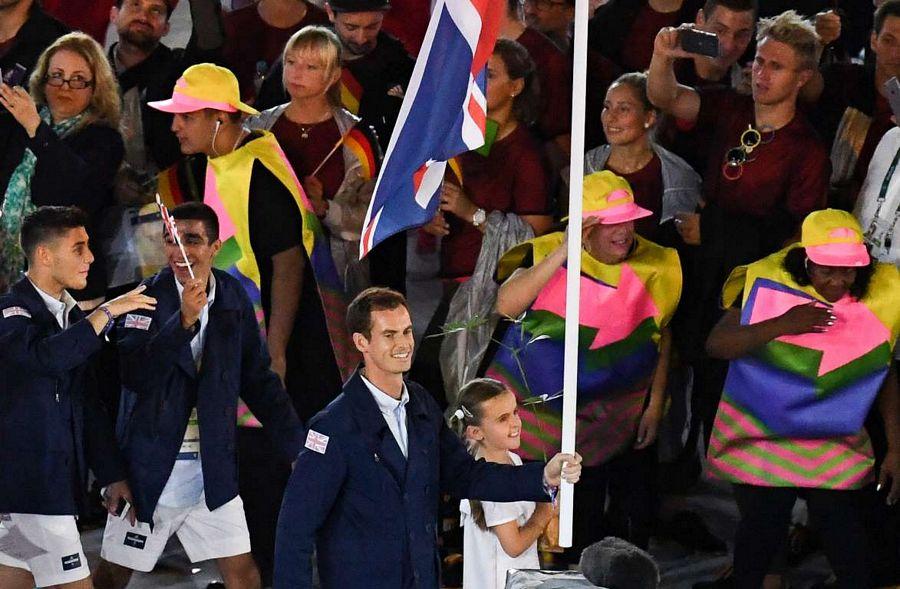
[(513, 179)]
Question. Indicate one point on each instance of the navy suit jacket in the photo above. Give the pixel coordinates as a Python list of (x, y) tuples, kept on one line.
[(372, 514), (161, 385), (50, 417)]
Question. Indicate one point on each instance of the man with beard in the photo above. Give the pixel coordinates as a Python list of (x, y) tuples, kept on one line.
[(146, 70), (554, 18), (850, 108), (366, 486)]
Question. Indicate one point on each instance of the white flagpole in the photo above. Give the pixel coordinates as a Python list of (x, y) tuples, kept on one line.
[(573, 270)]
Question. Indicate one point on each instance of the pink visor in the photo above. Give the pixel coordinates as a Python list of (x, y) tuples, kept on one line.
[(621, 209), (839, 254), (182, 103)]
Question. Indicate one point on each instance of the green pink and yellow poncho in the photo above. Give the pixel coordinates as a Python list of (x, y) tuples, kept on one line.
[(624, 308), (792, 412)]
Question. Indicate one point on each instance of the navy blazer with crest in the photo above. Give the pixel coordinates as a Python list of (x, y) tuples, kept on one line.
[(162, 384), (372, 514), (52, 424)]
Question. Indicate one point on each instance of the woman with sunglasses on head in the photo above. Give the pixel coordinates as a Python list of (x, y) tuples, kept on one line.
[(808, 333), (66, 151)]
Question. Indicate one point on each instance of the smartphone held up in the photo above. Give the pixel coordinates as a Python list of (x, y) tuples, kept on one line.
[(698, 42)]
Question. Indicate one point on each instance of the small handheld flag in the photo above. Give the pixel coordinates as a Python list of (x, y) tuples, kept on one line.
[(173, 231)]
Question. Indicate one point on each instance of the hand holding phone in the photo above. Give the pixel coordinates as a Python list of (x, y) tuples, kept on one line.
[(15, 76), (698, 42)]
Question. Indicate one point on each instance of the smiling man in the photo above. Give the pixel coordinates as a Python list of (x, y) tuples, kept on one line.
[(184, 366), (365, 490), (275, 243)]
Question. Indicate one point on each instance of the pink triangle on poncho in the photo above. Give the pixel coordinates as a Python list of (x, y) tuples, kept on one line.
[(614, 311), (856, 331)]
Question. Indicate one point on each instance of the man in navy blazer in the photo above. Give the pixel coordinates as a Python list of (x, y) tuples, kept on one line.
[(366, 487), (183, 368), (52, 425)]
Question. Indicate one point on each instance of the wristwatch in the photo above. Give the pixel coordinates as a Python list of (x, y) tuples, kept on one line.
[(479, 217)]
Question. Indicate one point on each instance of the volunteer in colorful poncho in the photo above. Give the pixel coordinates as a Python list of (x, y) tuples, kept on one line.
[(809, 332), (629, 290), (275, 245)]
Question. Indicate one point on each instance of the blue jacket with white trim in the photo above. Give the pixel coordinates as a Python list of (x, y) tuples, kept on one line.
[(52, 424), (372, 514), (162, 384)]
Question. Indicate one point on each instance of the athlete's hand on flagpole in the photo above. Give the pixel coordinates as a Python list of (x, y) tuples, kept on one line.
[(193, 299), (563, 467)]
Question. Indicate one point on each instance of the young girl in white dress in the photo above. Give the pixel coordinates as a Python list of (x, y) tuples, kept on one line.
[(496, 536)]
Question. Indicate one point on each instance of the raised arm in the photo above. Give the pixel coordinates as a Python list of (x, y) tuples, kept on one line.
[(663, 89), (523, 287)]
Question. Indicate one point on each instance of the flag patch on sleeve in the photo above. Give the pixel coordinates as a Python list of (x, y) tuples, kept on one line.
[(137, 322), (316, 442), (15, 312)]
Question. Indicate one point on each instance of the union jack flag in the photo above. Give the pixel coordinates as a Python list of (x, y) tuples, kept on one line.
[(443, 114), (167, 219)]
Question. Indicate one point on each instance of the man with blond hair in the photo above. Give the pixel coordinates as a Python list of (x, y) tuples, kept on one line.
[(765, 170)]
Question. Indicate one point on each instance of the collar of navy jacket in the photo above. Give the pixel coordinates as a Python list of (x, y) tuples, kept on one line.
[(35, 305), (378, 435)]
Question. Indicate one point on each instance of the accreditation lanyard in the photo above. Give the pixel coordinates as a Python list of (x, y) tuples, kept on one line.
[(882, 195)]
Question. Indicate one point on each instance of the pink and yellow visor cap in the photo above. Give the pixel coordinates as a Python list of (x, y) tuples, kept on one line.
[(205, 85), (834, 238), (610, 198)]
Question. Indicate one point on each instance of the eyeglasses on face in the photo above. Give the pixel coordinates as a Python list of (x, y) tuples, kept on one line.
[(75, 82)]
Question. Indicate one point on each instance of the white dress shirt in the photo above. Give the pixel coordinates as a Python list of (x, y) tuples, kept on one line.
[(394, 413), (60, 308)]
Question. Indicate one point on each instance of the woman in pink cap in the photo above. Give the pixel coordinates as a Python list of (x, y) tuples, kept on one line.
[(630, 288), (809, 333)]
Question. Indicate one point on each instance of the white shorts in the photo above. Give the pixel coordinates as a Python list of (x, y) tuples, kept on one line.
[(48, 546), (203, 534)]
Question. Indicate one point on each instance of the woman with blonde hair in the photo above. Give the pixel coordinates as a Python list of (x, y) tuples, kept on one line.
[(334, 154), (66, 151)]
